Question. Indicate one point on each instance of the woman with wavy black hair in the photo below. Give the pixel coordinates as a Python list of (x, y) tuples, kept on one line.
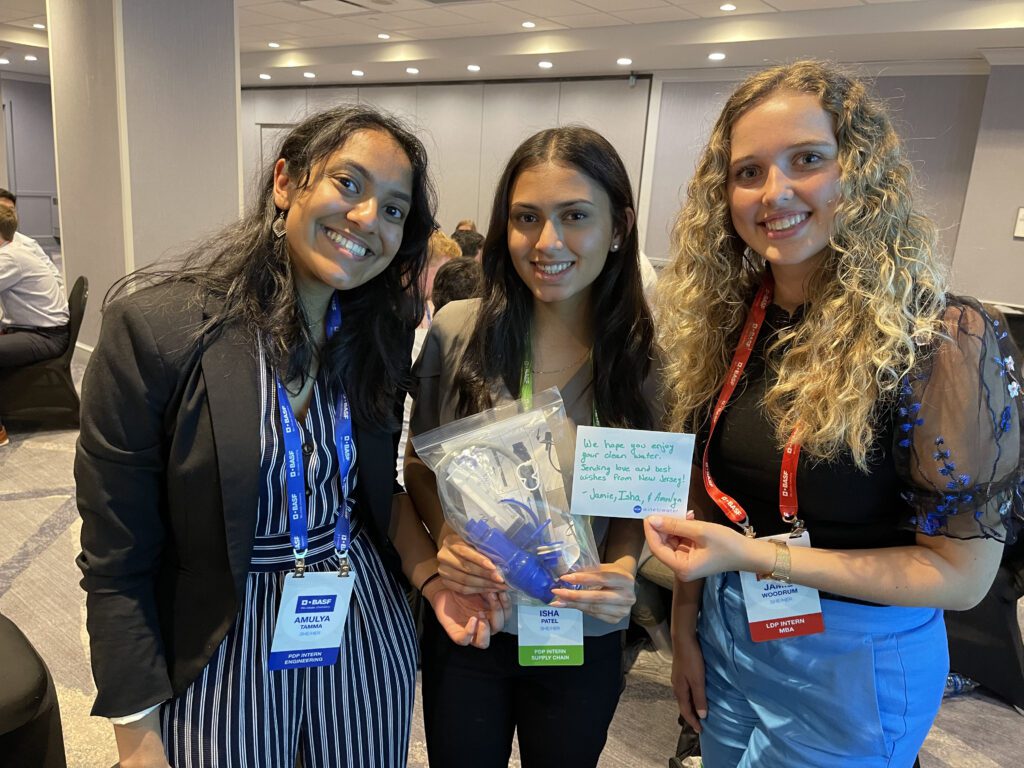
[(858, 417), (563, 306), (236, 472)]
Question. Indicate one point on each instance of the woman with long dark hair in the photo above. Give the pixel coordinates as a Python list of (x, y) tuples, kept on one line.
[(236, 472), (563, 306), (864, 422)]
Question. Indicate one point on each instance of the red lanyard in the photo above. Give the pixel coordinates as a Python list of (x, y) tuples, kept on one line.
[(791, 454)]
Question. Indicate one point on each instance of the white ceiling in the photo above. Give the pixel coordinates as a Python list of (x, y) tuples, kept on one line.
[(579, 37)]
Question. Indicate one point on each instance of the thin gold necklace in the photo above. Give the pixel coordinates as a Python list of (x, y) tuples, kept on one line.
[(574, 364)]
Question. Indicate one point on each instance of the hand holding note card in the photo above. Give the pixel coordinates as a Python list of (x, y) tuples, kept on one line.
[(631, 472)]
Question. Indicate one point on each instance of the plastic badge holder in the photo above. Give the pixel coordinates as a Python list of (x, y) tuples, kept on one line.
[(499, 477)]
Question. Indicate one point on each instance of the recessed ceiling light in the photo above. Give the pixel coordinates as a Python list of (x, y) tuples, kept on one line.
[(473, 67), (273, 45), (545, 64), (528, 25), (623, 62), (310, 75), (412, 70), (357, 73), (37, 25), (5, 61), (727, 7), (383, 36), (716, 56), (30, 57), (264, 76)]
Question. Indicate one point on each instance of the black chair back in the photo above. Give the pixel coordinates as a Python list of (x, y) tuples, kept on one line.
[(76, 311)]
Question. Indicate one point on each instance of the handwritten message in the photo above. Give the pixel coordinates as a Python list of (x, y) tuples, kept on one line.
[(630, 472)]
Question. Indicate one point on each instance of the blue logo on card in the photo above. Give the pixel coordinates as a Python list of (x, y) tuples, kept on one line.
[(638, 509), (315, 603)]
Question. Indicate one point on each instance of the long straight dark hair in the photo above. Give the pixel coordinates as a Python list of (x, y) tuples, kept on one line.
[(621, 320), (249, 269)]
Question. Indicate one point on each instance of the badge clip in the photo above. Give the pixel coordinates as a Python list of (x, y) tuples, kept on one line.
[(344, 569), (300, 565)]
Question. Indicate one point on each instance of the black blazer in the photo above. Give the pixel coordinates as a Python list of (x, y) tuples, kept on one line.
[(167, 480)]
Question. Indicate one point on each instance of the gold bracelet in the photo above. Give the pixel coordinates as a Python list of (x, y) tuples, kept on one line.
[(783, 568)]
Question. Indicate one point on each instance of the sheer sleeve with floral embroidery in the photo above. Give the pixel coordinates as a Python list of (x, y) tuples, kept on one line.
[(960, 431)]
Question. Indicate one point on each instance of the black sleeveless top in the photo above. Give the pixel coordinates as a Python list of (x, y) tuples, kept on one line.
[(946, 459)]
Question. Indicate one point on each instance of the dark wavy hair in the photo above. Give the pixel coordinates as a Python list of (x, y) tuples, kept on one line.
[(622, 326), (247, 267)]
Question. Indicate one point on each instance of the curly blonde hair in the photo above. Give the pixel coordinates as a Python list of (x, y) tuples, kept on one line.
[(874, 302)]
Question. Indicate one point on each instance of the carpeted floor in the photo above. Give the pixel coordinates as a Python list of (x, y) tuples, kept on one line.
[(39, 591)]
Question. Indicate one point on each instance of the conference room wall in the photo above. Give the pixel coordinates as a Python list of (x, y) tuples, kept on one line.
[(937, 115), (469, 130), (31, 173)]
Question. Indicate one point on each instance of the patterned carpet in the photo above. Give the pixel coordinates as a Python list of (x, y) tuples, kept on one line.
[(39, 591)]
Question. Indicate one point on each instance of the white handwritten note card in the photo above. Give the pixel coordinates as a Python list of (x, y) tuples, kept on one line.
[(631, 472)]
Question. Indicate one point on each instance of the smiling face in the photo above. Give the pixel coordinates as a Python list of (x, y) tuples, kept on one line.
[(560, 231), (784, 181), (346, 226)]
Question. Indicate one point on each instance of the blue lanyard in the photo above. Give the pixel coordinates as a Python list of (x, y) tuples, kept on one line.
[(295, 479)]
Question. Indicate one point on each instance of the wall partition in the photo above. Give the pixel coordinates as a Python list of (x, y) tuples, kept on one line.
[(469, 130), (937, 116)]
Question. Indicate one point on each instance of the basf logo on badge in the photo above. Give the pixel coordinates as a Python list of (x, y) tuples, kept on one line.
[(315, 603)]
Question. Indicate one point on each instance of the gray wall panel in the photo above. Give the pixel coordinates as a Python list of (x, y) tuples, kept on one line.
[(616, 110), (399, 100), (182, 122), (450, 121), (33, 175), (989, 260), (87, 148), (936, 115), (511, 113), (688, 110)]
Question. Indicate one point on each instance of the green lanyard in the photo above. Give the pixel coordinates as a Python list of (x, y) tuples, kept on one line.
[(526, 385)]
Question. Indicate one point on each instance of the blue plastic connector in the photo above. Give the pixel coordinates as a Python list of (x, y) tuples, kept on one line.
[(522, 569)]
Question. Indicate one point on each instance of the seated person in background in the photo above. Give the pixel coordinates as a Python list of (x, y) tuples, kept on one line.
[(10, 200), (461, 278), (466, 225), (34, 323), (471, 243)]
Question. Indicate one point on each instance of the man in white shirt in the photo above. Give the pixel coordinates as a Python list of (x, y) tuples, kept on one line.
[(10, 200), (34, 324)]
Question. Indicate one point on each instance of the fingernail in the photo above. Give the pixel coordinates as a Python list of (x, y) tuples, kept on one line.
[(690, 515), (498, 578), (702, 714), (557, 604), (655, 521)]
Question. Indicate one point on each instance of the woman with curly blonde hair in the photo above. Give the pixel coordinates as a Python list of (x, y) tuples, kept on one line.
[(861, 426)]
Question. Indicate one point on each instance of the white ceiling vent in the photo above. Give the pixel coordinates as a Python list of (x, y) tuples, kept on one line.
[(334, 7), (351, 7)]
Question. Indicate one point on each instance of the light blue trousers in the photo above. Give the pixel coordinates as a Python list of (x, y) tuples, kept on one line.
[(862, 694)]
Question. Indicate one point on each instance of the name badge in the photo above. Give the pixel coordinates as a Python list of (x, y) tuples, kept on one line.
[(776, 609), (311, 620), (550, 637)]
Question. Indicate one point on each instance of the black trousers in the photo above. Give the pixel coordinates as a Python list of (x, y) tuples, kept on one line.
[(23, 347), (30, 731), (474, 700)]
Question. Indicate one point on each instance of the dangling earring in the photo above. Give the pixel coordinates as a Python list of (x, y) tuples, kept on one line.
[(278, 226)]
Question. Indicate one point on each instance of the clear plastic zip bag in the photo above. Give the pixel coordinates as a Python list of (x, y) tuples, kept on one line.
[(500, 479)]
